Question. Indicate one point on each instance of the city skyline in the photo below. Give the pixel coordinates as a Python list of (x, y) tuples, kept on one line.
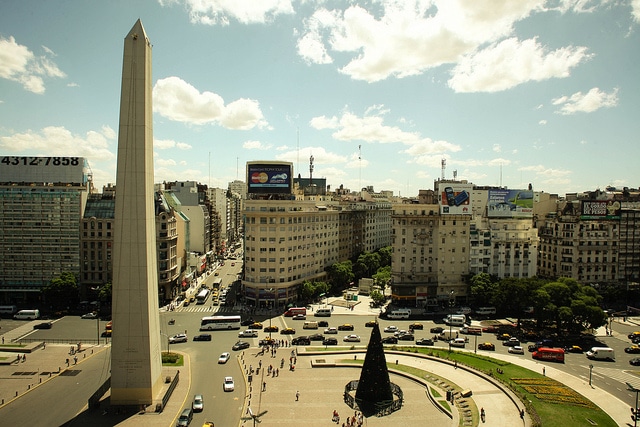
[(535, 92)]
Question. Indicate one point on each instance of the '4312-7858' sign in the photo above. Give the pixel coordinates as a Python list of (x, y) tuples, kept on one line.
[(19, 169)]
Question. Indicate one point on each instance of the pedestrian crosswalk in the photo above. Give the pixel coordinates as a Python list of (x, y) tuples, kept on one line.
[(206, 308), (621, 375)]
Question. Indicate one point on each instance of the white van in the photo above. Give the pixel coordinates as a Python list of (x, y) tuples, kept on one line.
[(8, 310), (401, 313), (323, 312), (601, 353), (310, 324), (455, 319), (27, 315)]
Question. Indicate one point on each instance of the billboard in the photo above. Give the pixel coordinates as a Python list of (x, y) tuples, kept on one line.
[(600, 209), (455, 198), (269, 177), (504, 203), (67, 170)]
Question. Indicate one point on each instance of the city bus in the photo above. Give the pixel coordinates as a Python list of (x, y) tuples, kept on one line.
[(295, 310), (212, 323), (551, 354), (202, 297), (217, 283)]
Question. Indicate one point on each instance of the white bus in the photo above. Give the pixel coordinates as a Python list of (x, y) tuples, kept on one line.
[(401, 313), (202, 297), (217, 283), (212, 323)]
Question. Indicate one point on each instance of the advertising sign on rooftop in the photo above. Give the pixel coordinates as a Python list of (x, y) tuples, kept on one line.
[(269, 177), (455, 198), (600, 209), (504, 203)]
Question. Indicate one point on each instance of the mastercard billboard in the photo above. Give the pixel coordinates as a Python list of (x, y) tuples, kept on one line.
[(270, 177)]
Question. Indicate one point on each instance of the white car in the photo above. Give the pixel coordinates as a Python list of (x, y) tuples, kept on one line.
[(331, 330), (178, 338), (391, 329), (352, 338), (228, 384), (92, 315), (516, 349), (458, 342), (198, 403), (249, 333), (224, 357)]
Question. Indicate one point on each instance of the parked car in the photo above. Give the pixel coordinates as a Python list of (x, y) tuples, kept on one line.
[(287, 331), (390, 340), (436, 330), (248, 333), (92, 315), (301, 341), (424, 341), (272, 328), (330, 341), (351, 338), (178, 338), (316, 337), (345, 327), (516, 349), (331, 330), (391, 328), (240, 345), (224, 357), (416, 326), (202, 337), (228, 384), (198, 403), (486, 346)]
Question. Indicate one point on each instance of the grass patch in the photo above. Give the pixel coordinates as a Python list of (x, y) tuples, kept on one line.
[(435, 393), (172, 359)]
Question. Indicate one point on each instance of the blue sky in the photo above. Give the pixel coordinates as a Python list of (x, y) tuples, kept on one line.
[(378, 92)]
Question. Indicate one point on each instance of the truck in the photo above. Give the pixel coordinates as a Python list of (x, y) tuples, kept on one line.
[(601, 353)]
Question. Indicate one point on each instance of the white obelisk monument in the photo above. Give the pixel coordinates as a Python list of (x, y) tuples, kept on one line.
[(136, 359)]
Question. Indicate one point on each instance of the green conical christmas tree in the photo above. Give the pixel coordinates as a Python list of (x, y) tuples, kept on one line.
[(374, 388)]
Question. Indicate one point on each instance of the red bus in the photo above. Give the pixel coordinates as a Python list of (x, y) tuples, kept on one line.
[(551, 354), (295, 310)]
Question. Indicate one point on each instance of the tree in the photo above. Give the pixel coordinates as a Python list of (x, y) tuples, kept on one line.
[(483, 289), (385, 256), (61, 292), (104, 294), (367, 264), (382, 277), (340, 274)]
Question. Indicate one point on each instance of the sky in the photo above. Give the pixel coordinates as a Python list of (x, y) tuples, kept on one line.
[(380, 93)]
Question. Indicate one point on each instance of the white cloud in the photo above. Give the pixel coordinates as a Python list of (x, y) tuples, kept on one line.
[(177, 100), (320, 156), (586, 103), (542, 122), (635, 10), (512, 62), (256, 145), (58, 141), (220, 12), (409, 36), (18, 63), (497, 148)]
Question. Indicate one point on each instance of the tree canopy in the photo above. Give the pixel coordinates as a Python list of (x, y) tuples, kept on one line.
[(61, 292)]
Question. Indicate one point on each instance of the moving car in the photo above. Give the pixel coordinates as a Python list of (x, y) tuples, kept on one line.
[(486, 346), (248, 333), (92, 315), (301, 341), (224, 357), (178, 338), (247, 322), (299, 317), (458, 342), (323, 324), (43, 325), (198, 403), (331, 330), (272, 328), (634, 349), (345, 327), (185, 417), (416, 326), (330, 341), (316, 337), (516, 349), (240, 345), (503, 337), (228, 385), (574, 349), (351, 338), (390, 340), (511, 342), (288, 331), (255, 325), (436, 330), (424, 341), (391, 328), (635, 361), (202, 337), (370, 324), (406, 337)]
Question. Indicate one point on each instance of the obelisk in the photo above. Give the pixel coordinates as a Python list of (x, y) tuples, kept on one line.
[(136, 359)]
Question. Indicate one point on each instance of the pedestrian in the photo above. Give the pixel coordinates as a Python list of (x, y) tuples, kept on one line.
[(544, 372), (522, 414), (2, 340), (264, 386), (455, 364), (297, 395), (482, 414), (75, 360)]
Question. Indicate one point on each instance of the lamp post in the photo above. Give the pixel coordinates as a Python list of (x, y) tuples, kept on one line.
[(168, 342), (450, 314), (270, 315), (635, 408), (590, 371)]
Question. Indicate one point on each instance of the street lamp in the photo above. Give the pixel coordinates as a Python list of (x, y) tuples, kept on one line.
[(634, 410), (590, 371), (270, 316), (450, 314), (168, 342)]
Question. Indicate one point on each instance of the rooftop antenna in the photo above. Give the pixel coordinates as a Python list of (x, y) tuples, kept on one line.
[(298, 142), (443, 165), (360, 167), (455, 174), (311, 170)]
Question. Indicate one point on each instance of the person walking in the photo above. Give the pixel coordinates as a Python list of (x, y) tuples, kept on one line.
[(297, 395)]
